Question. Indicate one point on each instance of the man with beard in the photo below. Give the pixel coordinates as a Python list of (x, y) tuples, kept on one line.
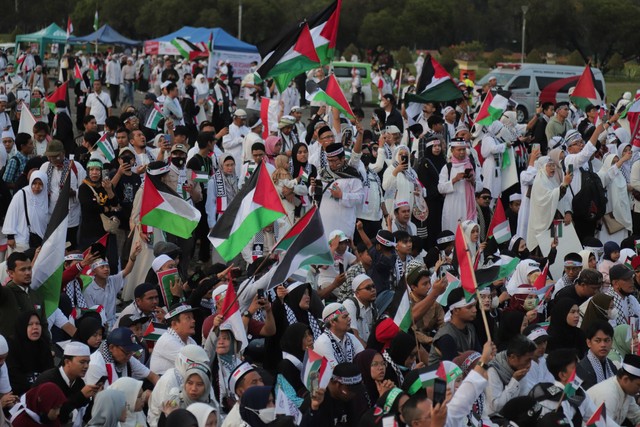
[(342, 194)]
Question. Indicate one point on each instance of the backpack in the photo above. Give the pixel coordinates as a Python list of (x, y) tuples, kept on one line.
[(590, 204), (358, 317)]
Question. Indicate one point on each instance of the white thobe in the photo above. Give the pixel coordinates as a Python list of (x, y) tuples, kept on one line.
[(76, 180), (578, 160), (491, 173), (341, 214), (455, 205), (526, 181), (619, 405), (232, 143)]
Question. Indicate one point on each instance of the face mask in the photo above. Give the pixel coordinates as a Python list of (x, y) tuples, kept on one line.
[(530, 304), (177, 161), (382, 104), (613, 314), (267, 415), (524, 254), (495, 302)]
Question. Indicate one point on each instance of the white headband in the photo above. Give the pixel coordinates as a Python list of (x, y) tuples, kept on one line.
[(631, 369), (537, 333), (462, 303)]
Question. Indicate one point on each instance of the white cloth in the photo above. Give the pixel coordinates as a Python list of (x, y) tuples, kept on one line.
[(37, 208), (459, 406), (114, 73), (232, 143), (323, 346), (106, 297), (619, 405), (96, 108), (364, 322), (526, 181), (130, 387), (399, 187), (491, 169), (329, 272), (615, 185), (76, 181), (498, 394), (5, 385), (165, 352), (578, 160), (161, 393), (455, 202), (341, 214), (98, 369), (248, 142)]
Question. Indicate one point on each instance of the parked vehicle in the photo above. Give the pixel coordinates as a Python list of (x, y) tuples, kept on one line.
[(342, 71)]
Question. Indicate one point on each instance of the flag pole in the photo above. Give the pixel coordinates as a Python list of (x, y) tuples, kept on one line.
[(413, 322), (484, 315)]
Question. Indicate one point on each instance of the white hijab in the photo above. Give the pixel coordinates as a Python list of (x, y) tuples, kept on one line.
[(521, 275), (467, 228), (616, 191), (201, 411), (201, 87), (37, 207), (130, 387), (545, 197)]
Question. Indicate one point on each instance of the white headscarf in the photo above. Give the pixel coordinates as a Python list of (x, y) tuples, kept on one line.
[(616, 186), (467, 228), (545, 197), (201, 411), (131, 388), (585, 254), (201, 87), (107, 407), (521, 275), (37, 208)]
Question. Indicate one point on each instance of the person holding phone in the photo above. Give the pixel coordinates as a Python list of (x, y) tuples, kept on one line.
[(400, 181)]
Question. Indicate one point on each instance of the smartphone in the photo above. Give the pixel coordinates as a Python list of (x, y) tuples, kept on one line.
[(439, 391), (467, 172), (103, 379), (341, 267), (404, 159), (570, 168), (260, 293), (442, 273), (535, 147)]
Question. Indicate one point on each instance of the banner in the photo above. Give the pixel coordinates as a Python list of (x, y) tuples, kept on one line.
[(241, 61)]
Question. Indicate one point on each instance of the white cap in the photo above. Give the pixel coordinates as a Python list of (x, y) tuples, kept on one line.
[(237, 373), (240, 113), (359, 280), (218, 291), (331, 309), (3, 98), (160, 261), (400, 203), (392, 129), (165, 84), (75, 348), (515, 197), (340, 233), (447, 110)]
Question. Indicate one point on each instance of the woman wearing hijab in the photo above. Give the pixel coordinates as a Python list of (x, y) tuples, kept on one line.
[(273, 148), (39, 406), (428, 167), (624, 151), (547, 200), (389, 404), (28, 213), (30, 353), (89, 331), (297, 303), (132, 390), (588, 259), (471, 231), (109, 408), (563, 328), (401, 357), (400, 182), (297, 338), (181, 418), (599, 307), (162, 147), (257, 407), (373, 369), (525, 274), (222, 188), (196, 388), (609, 259), (225, 359), (299, 165), (512, 324), (618, 201), (622, 342), (205, 414)]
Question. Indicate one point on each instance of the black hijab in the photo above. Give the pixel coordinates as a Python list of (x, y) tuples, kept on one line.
[(255, 398), (293, 301), (291, 340), (296, 165), (561, 335), (385, 406), (509, 327), (86, 327), (181, 418), (363, 361)]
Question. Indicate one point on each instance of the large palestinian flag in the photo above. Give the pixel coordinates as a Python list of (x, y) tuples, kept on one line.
[(163, 208), (188, 49), (585, 92), (294, 54), (60, 94), (256, 205), (491, 109), (310, 247), (324, 31), (287, 240), (48, 268), (328, 91)]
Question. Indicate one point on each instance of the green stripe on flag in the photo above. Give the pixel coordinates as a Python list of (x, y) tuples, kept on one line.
[(252, 224), (506, 159), (180, 226)]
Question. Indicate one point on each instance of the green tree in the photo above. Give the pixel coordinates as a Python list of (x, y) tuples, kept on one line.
[(534, 57), (575, 58), (447, 59), (403, 56), (496, 56), (350, 51), (616, 63)]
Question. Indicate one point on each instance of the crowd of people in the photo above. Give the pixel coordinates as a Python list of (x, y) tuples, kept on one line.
[(401, 340)]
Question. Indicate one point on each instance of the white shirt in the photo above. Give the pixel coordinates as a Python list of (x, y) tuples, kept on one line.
[(166, 350), (54, 184), (578, 160), (498, 394), (160, 394), (619, 405), (98, 369), (106, 297), (5, 385), (362, 324), (330, 272), (341, 214), (232, 143), (323, 346), (96, 108), (114, 73)]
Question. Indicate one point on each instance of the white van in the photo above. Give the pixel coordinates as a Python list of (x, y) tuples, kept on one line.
[(533, 83), (342, 71)]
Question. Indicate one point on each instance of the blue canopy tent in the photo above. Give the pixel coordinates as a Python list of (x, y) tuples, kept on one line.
[(105, 35), (221, 41)]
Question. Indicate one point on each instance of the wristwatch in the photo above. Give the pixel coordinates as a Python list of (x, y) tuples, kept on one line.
[(483, 365), (246, 313)]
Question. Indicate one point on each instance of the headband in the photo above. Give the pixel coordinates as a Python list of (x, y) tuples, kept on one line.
[(385, 242), (432, 143), (570, 263), (391, 397), (158, 171), (357, 379), (537, 333), (334, 315), (94, 164), (445, 239), (631, 369), (335, 152), (525, 291), (74, 257), (470, 359), (99, 263), (178, 310), (462, 303), (238, 373), (454, 143)]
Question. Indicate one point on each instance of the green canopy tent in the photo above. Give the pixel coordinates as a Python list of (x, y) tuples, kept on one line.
[(50, 35)]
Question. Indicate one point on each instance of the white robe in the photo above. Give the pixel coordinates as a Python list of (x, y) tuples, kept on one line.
[(619, 405), (341, 214), (37, 208), (76, 180), (618, 201), (491, 173), (232, 143), (526, 181), (455, 205)]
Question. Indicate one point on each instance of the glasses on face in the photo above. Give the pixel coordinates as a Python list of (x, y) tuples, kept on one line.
[(367, 288)]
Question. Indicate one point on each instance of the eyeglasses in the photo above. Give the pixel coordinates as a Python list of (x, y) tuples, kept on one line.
[(367, 288)]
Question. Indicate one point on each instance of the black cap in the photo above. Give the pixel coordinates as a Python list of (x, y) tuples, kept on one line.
[(620, 272), (151, 96)]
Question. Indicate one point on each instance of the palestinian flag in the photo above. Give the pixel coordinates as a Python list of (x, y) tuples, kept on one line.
[(231, 317), (452, 283), (499, 227), (77, 73), (328, 90), (465, 266), (632, 114), (294, 54), (541, 280), (154, 117), (256, 205), (104, 240), (485, 276), (199, 176), (315, 366), (599, 417), (77, 312), (491, 109), (324, 31), (402, 318), (287, 240), (434, 84), (154, 331), (431, 373), (105, 147), (269, 109), (48, 267), (585, 92), (69, 27), (572, 385), (60, 94), (96, 21), (187, 49), (310, 247), (164, 209)]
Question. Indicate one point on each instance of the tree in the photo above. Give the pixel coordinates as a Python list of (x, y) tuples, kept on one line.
[(575, 58), (350, 51), (616, 63), (534, 57), (447, 59), (496, 56), (403, 56)]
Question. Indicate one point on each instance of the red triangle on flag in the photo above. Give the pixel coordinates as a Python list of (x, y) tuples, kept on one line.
[(441, 372), (498, 217), (334, 91), (467, 276), (330, 30), (438, 70), (151, 198), (599, 415), (304, 45), (541, 281), (60, 94), (484, 108), (585, 88), (230, 304), (265, 193)]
